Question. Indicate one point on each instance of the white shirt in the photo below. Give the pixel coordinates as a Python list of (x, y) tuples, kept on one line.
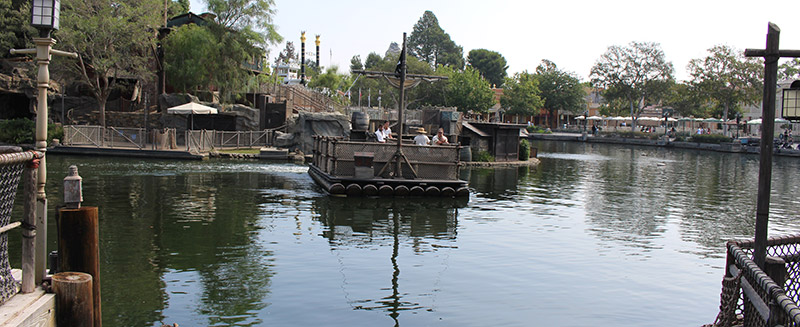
[(380, 137), (436, 138), (387, 133), (421, 139)]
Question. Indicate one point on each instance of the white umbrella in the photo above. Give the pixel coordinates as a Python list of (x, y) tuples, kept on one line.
[(580, 118), (191, 109), (594, 118), (754, 122)]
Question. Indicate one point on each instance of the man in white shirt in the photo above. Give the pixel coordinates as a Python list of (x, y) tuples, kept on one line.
[(439, 139), (379, 134), (387, 132), (421, 138)]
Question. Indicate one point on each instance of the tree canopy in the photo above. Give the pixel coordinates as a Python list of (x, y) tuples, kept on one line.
[(15, 28), (521, 94), (113, 40), (633, 73), (789, 69), (561, 91), (247, 15), (468, 91), (491, 64), (726, 78), (429, 42)]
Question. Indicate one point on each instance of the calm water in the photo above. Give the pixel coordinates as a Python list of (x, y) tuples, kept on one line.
[(597, 235)]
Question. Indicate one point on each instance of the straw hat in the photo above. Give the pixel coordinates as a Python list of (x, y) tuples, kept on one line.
[(421, 130)]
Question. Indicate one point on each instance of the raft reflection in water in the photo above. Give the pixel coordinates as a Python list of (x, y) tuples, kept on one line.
[(423, 225)]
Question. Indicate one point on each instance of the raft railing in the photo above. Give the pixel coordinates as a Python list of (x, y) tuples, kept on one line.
[(755, 297), (16, 166), (336, 156)]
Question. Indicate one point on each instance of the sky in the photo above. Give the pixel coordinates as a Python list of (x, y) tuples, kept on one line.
[(572, 34)]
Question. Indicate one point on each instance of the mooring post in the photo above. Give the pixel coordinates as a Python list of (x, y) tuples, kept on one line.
[(79, 238), (775, 268), (74, 300), (29, 228)]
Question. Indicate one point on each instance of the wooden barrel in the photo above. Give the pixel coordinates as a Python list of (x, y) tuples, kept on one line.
[(465, 154), (359, 121), (448, 191), (462, 191), (353, 189), (337, 188), (432, 191), (370, 190), (401, 190), (386, 190), (416, 191)]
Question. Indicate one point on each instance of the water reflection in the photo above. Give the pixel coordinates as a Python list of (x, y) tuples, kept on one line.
[(424, 225)]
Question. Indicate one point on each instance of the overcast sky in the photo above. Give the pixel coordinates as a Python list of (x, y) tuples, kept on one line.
[(573, 34)]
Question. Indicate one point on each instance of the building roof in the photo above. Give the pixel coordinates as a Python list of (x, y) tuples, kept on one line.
[(474, 129)]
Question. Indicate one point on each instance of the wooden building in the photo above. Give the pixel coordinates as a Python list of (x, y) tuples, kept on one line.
[(501, 140)]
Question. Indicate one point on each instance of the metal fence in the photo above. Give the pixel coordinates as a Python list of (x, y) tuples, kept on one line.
[(138, 138), (755, 297)]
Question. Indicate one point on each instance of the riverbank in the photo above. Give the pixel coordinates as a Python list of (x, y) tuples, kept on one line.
[(733, 147), (529, 162)]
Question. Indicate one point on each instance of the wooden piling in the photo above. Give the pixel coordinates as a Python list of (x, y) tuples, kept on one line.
[(29, 229), (78, 248), (776, 269), (74, 300)]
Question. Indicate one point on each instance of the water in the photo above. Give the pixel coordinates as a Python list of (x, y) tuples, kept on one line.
[(597, 235)]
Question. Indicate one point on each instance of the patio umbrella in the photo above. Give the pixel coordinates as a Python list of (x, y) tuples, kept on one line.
[(594, 118), (192, 109), (580, 118)]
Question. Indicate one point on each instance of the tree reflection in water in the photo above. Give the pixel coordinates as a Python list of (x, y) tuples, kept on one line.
[(426, 224)]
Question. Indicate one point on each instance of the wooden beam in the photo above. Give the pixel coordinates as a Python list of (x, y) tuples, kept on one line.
[(763, 53)]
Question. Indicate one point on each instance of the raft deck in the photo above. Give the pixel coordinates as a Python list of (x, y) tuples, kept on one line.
[(351, 168)]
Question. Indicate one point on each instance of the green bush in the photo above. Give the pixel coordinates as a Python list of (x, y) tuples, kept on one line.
[(524, 150), (710, 138), (483, 156), (17, 131), (21, 131), (538, 129)]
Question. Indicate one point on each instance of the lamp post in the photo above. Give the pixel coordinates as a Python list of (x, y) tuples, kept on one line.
[(790, 106), (738, 122), (45, 17)]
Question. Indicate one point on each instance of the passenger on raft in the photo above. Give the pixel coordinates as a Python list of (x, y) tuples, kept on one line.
[(440, 139), (421, 138), (379, 134), (387, 132)]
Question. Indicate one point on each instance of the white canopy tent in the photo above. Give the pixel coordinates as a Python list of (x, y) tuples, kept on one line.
[(192, 109)]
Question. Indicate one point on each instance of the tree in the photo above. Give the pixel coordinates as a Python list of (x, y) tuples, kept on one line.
[(685, 101), (562, 91), (521, 94), (373, 61), (632, 73), (15, 28), (431, 44), (355, 63), (189, 48), (789, 69), (178, 7), (726, 78), (288, 54), (491, 64), (112, 40), (247, 15), (468, 91)]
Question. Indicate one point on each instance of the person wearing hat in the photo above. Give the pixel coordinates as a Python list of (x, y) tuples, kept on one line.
[(421, 138)]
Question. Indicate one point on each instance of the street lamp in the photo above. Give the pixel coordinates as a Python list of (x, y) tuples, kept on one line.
[(45, 17), (790, 108)]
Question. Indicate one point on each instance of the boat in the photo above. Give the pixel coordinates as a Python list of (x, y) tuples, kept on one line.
[(356, 167)]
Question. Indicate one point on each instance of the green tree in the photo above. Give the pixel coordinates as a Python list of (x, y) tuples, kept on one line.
[(521, 94), (112, 40), (562, 91), (15, 28), (247, 15), (431, 44), (468, 91), (355, 63), (686, 101), (373, 61), (789, 69), (491, 64), (178, 7), (288, 54), (726, 78), (633, 73), (190, 48)]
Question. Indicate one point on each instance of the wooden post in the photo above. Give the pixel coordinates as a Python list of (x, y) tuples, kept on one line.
[(74, 304), (29, 228), (78, 248), (776, 269), (767, 134)]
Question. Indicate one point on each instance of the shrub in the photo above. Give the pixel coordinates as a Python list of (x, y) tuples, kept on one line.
[(55, 131), (710, 138), (538, 129), (483, 156), (17, 131), (524, 150)]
